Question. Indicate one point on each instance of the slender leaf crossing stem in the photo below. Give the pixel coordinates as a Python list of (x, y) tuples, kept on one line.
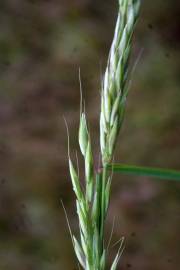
[(164, 174)]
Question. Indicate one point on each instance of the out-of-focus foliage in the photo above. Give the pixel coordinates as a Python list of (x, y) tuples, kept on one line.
[(42, 45)]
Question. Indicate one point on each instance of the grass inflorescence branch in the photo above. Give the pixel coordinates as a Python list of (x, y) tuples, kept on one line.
[(92, 203)]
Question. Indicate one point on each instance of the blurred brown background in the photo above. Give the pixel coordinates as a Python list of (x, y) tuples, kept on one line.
[(42, 45)]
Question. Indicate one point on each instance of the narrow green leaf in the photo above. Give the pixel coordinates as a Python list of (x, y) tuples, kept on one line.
[(145, 171)]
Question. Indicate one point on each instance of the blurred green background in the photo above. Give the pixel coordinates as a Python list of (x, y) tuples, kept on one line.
[(42, 45)]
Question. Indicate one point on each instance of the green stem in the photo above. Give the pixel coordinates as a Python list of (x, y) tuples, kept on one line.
[(103, 214)]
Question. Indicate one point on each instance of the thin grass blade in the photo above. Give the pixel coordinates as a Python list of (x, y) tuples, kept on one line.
[(166, 174)]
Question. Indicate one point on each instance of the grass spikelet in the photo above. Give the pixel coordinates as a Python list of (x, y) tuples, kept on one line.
[(83, 134), (79, 252)]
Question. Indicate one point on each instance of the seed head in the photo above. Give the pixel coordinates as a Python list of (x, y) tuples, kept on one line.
[(115, 78)]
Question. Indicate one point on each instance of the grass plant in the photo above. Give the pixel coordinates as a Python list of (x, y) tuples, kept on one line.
[(92, 201)]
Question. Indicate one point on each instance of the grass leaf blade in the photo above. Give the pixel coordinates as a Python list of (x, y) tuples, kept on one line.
[(165, 174)]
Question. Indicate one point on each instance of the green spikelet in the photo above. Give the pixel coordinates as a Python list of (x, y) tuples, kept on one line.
[(79, 252), (83, 134), (75, 181)]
